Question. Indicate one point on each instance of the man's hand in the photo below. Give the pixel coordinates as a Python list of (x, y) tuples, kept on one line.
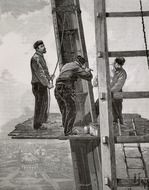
[(95, 82), (88, 69), (52, 77), (50, 85)]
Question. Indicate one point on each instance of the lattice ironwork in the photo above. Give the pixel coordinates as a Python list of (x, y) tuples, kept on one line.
[(68, 8)]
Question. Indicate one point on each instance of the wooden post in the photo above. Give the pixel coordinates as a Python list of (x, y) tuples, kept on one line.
[(86, 163), (105, 105)]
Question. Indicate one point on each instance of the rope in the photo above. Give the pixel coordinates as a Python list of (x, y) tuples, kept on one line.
[(144, 32), (61, 42)]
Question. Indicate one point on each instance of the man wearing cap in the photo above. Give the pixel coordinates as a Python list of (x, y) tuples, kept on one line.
[(117, 83), (65, 91), (40, 84)]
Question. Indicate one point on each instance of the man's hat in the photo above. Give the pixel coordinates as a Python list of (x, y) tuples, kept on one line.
[(120, 60), (80, 59), (37, 43)]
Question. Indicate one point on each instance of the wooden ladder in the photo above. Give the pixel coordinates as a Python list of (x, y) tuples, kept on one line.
[(109, 179)]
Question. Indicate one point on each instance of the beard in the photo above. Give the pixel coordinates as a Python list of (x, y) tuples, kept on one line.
[(117, 68), (44, 51)]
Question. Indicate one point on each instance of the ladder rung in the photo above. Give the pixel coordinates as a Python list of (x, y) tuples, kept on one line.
[(133, 157), (127, 14), (127, 53), (132, 139), (128, 130), (135, 168), (130, 146), (131, 95)]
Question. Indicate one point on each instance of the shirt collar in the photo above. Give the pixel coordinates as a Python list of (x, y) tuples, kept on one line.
[(118, 71), (38, 53)]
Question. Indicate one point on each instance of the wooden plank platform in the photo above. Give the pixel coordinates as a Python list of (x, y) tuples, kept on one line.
[(54, 131), (25, 129), (83, 137), (144, 182), (132, 139), (38, 134)]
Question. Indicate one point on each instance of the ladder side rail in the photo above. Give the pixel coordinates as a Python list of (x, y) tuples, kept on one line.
[(105, 105)]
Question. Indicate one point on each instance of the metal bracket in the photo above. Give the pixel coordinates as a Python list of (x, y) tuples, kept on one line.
[(105, 140), (99, 54), (107, 181), (102, 96), (99, 15)]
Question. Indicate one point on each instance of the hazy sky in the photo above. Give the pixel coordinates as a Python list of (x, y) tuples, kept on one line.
[(24, 22)]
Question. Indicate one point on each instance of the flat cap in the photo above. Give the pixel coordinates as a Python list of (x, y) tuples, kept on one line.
[(37, 43), (120, 60), (80, 59)]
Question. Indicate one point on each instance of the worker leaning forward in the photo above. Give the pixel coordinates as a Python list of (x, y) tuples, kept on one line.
[(65, 90)]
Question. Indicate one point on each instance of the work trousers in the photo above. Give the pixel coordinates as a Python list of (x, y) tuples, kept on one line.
[(41, 111), (65, 97), (117, 110), (97, 107)]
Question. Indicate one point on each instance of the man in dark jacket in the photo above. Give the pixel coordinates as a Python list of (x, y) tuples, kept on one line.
[(117, 82), (40, 85), (65, 90)]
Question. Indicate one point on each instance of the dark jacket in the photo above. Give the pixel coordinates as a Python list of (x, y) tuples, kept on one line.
[(70, 72), (118, 80), (39, 69)]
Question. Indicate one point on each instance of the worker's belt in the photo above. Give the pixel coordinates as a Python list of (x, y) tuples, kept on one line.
[(66, 83)]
